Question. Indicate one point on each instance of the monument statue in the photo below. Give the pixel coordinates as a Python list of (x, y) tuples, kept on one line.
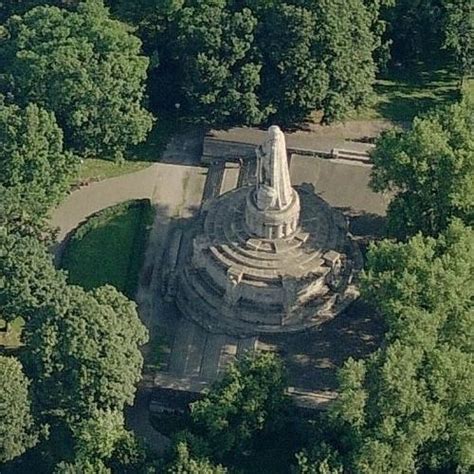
[(273, 206), (265, 257), (273, 178)]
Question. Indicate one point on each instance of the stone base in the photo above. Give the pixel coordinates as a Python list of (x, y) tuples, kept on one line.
[(241, 284), (272, 224)]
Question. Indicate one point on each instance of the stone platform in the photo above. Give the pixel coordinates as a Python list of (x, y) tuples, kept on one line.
[(239, 284)]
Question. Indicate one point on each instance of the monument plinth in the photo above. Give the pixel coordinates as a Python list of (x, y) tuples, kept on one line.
[(268, 258)]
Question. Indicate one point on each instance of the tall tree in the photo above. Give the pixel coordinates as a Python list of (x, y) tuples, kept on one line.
[(32, 159), (248, 401), (294, 79), (409, 406), (459, 33), (28, 279), (87, 344), (415, 29), (430, 171), (219, 78), (347, 43), (185, 463), (86, 68), (17, 427)]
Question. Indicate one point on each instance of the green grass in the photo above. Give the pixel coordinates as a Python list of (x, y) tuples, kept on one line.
[(138, 157), (12, 338), (95, 169), (158, 138), (109, 248), (407, 92)]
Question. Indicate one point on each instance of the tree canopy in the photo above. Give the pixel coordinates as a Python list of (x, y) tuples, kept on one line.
[(184, 463), (409, 406), (17, 428), (33, 162), (85, 343), (249, 62), (430, 170), (244, 404), (83, 66)]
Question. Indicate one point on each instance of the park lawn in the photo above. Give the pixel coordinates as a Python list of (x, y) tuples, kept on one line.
[(109, 248), (96, 169), (406, 92), (12, 338)]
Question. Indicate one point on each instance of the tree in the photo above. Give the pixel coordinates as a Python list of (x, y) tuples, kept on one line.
[(19, 7), (86, 68), (32, 159), (28, 279), (248, 401), (17, 427), (88, 344), (294, 79), (459, 33), (347, 42), (409, 406), (430, 171), (249, 62), (415, 29), (184, 463), (219, 78)]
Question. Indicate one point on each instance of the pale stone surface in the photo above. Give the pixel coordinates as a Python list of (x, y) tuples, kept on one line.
[(257, 266), (272, 207)]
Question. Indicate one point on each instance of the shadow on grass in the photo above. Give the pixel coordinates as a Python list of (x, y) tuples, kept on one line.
[(406, 92), (109, 247)]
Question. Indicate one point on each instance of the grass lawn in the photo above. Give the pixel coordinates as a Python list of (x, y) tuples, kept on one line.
[(406, 92), (12, 338), (139, 157), (95, 169), (109, 248)]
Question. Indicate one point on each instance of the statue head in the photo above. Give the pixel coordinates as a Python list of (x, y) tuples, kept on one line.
[(274, 131)]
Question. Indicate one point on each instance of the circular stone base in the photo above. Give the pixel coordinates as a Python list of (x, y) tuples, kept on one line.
[(238, 283)]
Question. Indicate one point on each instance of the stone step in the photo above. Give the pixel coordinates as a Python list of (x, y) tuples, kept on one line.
[(195, 352), (211, 355), (214, 179), (246, 345), (183, 337), (228, 354)]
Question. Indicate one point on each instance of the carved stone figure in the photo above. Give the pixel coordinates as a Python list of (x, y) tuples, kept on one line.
[(273, 179)]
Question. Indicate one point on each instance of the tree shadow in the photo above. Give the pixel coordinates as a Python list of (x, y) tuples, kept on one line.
[(407, 92)]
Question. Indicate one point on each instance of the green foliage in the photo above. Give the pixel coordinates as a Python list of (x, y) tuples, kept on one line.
[(248, 401), (415, 29), (32, 161), (459, 33), (97, 436), (430, 169), (87, 344), (248, 62), (184, 463), (117, 238), (347, 43), (28, 279), (219, 78), (294, 79), (409, 406), (81, 466), (130, 456), (19, 7), (84, 67), (17, 427)]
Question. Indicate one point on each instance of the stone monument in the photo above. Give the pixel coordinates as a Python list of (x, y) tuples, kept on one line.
[(268, 258)]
